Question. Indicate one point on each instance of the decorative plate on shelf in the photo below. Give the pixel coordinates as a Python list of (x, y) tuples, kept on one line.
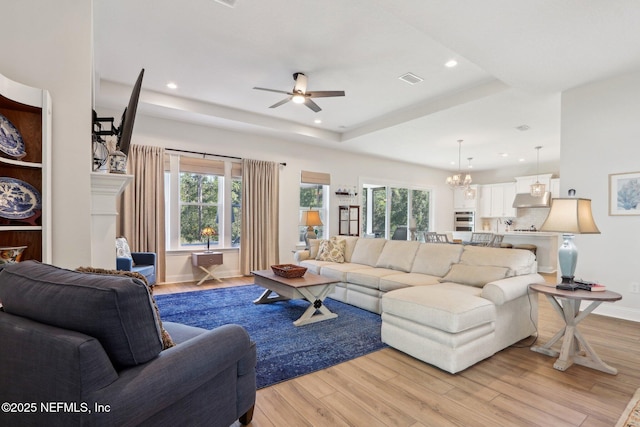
[(18, 199), (11, 142)]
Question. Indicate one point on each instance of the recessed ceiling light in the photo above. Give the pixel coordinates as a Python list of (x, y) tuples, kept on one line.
[(521, 160), (172, 85), (504, 154), (317, 121), (450, 64)]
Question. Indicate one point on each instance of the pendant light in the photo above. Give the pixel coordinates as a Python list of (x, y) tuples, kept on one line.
[(456, 181), (538, 189), (469, 193)]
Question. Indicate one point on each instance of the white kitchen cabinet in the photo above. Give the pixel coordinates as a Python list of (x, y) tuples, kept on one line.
[(496, 200), (460, 203), (484, 201)]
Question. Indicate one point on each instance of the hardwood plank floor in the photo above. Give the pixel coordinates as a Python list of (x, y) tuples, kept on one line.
[(515, 387)]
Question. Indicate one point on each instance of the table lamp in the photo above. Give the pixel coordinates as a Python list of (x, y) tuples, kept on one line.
[(208, 231), (310, 219), (569, 216)]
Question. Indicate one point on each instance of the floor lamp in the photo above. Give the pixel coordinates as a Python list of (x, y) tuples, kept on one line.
[(569, 216), (310, 219)]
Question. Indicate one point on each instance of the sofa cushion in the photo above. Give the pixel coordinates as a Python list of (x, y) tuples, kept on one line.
[(435, 259), (474, 275), (367, 251), (331, 250), (368, 277), (398, 255), (314, 266), (403, 280), (339, 271), (449, 307), (350, 244), (116, 310), (518, 261)]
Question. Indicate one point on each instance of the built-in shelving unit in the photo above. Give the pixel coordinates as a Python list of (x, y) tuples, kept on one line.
[(29, 110)]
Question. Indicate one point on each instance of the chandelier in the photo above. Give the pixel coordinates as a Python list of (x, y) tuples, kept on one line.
[(537, 189), (457, 181)]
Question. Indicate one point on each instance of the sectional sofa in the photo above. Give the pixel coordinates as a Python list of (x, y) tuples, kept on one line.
[(446, 304)]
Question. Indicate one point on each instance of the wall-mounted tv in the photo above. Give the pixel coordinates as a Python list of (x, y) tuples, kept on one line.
[(129, 117)]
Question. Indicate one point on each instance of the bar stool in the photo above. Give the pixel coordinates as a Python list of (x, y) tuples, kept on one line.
[(527, 246)]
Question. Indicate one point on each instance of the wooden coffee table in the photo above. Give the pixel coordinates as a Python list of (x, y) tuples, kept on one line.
[(311, 287), (567, 305)]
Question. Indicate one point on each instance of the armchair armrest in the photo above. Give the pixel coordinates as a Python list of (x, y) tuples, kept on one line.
[(175, 373), (124, 264), (505, 290)]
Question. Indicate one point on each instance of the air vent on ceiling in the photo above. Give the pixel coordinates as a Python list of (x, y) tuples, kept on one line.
[(229, 3), (523, 127), (411, 78)]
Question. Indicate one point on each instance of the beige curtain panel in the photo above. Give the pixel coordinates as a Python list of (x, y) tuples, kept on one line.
[(260, 215), (142, 204)]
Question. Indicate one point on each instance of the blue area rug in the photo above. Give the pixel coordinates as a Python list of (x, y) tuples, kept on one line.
[(284, 350)]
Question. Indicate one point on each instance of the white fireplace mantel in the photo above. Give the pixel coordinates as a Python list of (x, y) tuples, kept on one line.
[(105, 188)]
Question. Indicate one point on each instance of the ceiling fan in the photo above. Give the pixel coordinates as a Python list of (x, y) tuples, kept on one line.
[(299, 94)]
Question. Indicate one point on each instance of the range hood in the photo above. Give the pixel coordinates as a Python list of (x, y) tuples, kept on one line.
[(526, 200)]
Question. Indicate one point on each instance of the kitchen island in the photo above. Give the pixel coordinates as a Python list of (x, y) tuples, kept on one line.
[(547, 247), (546, 243)]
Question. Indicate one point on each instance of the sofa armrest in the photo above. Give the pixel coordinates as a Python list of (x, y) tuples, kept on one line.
[(144, 258), (511, 288), (302, 255), (124, 264), (148, 388)]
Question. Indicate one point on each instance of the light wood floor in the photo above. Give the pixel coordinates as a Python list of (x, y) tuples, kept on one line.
[(515, 387)]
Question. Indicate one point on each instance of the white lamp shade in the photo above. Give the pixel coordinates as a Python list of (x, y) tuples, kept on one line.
[(570, 215)]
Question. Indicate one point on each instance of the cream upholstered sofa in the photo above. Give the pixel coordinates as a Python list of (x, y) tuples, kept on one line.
[(446, 304)]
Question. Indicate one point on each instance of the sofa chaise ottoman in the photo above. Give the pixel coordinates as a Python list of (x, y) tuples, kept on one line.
[(446, 304)]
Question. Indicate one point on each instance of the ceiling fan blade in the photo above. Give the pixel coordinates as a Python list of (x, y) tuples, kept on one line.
[(284, 101), (301, 83), (273, 90), (309, 103), (325, 93)]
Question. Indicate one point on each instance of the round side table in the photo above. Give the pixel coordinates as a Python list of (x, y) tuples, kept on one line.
[(575, 348)]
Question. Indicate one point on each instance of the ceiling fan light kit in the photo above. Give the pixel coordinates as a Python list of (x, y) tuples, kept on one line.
[(299, 94)]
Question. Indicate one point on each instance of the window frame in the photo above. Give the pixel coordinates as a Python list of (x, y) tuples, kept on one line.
[(173, 205)]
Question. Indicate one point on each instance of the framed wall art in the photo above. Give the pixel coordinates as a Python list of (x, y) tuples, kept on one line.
[(624, 193)]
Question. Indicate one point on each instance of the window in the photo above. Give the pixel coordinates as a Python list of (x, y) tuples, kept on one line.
[(387, 209), (314, 195), (199, 205), (202, 193)]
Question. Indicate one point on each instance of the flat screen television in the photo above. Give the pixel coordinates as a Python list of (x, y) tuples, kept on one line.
[(129, 117)]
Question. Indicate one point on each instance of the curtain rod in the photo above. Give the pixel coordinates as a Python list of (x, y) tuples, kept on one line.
[(209, 154)]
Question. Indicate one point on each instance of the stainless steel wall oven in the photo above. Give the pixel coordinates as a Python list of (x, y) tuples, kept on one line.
[(464, 221)]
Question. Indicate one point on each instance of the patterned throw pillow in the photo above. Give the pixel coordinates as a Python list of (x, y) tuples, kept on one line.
[(332, 250), (122, 248)]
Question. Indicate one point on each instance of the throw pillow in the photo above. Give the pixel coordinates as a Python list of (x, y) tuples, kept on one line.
[(332, 250), (474, 275), (167, 341), (122, 248), (314, 247)]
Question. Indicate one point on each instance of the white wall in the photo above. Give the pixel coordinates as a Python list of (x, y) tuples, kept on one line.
[(600, 136), (345, 169), (48, 45)]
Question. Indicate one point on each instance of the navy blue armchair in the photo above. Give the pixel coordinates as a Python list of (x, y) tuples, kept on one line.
[(144, 263)]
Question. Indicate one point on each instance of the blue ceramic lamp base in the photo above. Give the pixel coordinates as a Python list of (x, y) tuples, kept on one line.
[(568, 258)]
